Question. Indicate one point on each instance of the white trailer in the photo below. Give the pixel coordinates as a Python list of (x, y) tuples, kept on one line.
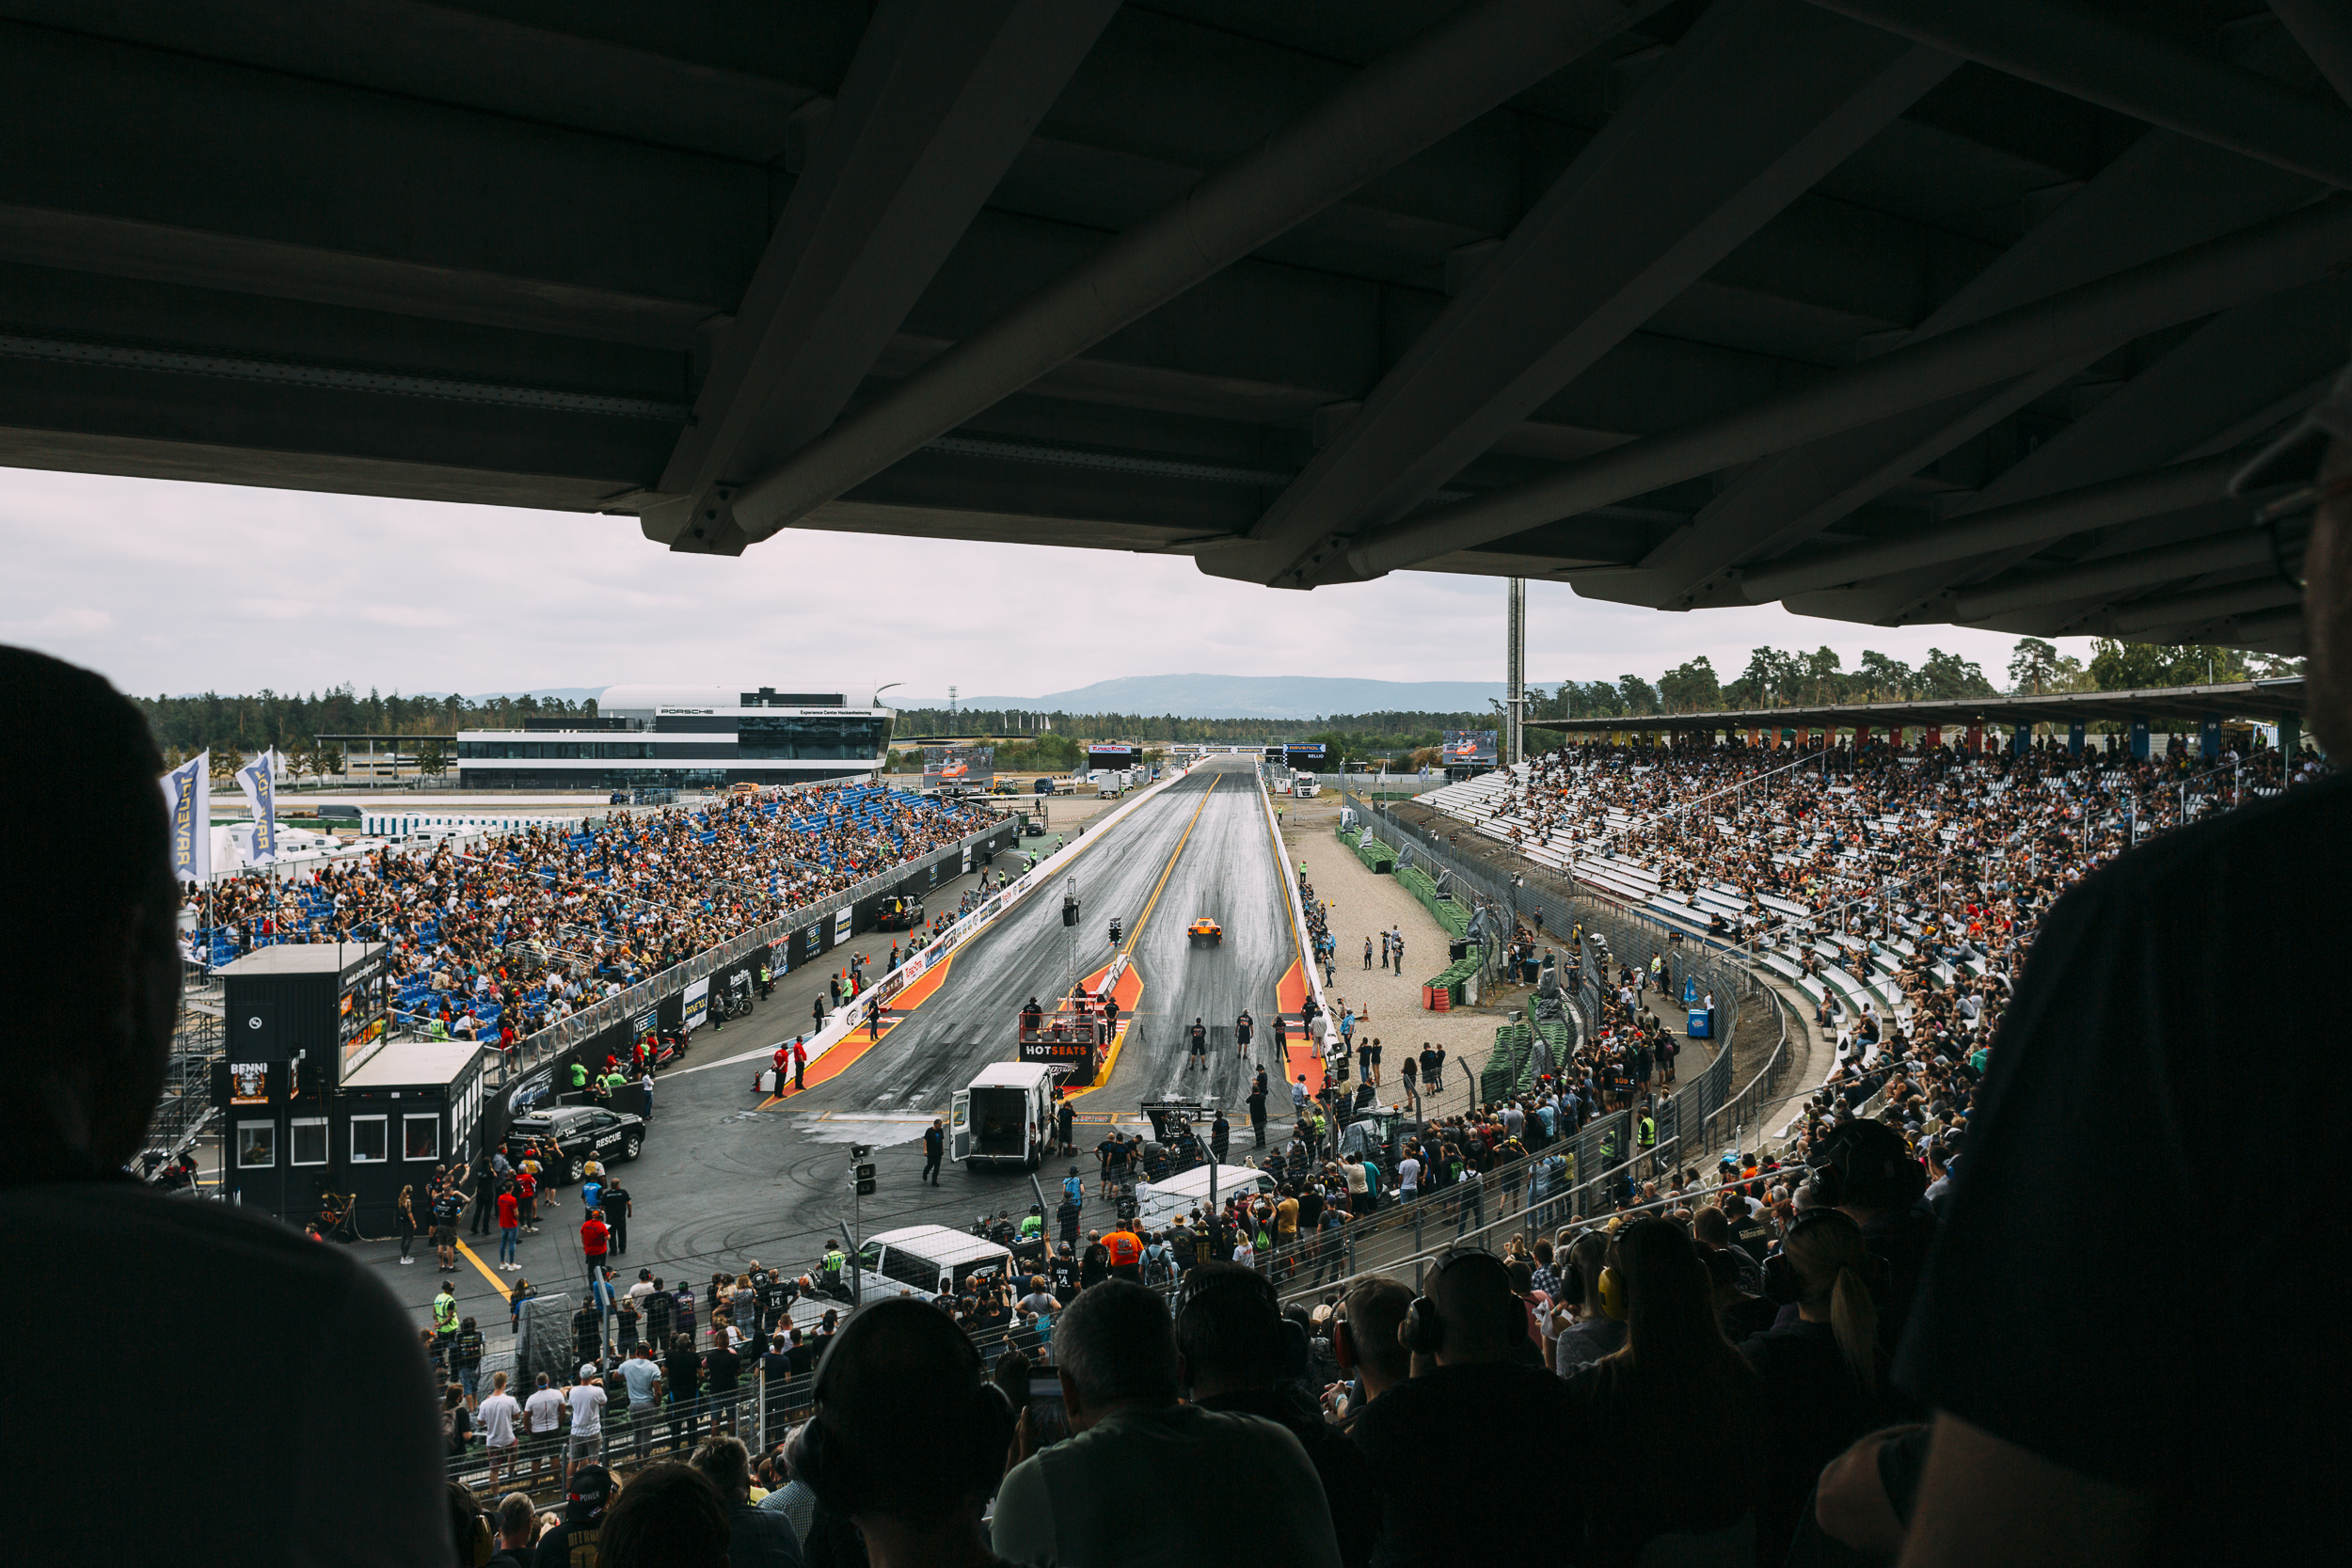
[(1004, 1117)]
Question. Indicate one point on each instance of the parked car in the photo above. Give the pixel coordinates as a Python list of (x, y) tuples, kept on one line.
[(566, 1134)]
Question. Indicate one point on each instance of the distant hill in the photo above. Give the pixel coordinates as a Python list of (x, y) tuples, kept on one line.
[(1246, 697), (568, 693)]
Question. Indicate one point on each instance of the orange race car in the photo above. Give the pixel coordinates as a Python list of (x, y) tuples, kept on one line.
[(1205, 929)]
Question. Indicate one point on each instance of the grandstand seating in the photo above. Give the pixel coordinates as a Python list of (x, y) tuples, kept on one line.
[(602, 906), (1843, 870)]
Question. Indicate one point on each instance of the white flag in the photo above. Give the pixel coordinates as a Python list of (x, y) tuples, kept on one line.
[(257, 779), (188, 796)]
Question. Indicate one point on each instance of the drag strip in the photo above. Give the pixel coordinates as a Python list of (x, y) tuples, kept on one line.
[(1195, 848)]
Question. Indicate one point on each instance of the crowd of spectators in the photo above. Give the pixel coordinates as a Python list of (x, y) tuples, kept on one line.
[(1762, 1300), (516, 930), (1900, 888)]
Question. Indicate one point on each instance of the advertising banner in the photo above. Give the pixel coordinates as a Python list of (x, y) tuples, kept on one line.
[(188, 796), (1470, 748), (696, 1003), (257, 779), (248, 1083), (955, 769), (841, 926), (362, 1004)]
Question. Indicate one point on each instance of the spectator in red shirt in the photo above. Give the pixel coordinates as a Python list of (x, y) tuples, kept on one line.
[(510, 1222), (527, 1199), (593, 1239)]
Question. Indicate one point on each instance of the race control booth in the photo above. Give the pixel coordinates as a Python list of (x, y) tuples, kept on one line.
[(323, 1117)]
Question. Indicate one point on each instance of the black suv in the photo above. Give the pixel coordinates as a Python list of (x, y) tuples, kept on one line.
[(566, 1133)]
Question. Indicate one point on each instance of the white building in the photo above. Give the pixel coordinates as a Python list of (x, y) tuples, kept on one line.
[(684, 738)]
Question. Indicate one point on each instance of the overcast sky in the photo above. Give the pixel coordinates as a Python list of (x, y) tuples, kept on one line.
[(171, 587)]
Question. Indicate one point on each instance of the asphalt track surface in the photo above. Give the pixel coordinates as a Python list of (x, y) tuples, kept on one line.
[(1198, 847), (730, 1174)]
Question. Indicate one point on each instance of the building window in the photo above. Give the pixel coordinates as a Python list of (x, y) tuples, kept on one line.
[(830, 739), (256, 1145), (309, 1134), (420, 1137), (368, 1146)]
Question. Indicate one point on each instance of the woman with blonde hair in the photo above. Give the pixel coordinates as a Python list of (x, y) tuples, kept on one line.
[(1824, 1375)]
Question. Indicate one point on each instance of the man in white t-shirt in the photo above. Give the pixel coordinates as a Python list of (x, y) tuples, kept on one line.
[(586, 1403), (641, 1374), (543, 1414), (499, 1416), (1408, 1179)]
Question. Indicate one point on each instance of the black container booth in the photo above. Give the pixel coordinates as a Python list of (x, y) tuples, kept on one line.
[(315, 1100)]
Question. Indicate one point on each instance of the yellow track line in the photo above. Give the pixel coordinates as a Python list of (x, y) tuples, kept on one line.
[(496, 1283), (1110, 1062), (1169, 870)]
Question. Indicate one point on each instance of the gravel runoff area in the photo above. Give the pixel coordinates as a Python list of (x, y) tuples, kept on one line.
[(1363, 904)]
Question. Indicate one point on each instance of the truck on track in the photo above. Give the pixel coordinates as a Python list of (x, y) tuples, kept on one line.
[(1004, 1117)]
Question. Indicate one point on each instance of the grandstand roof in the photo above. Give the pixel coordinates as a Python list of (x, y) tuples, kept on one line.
[(1894, 312), (2263, 700)]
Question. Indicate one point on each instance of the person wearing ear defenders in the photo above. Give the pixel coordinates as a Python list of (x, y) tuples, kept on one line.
[(1139, 1480), (1579, 1324), (1364, 1344), (1235, 1351), (907, 1442), (1474, 1434), (1676, 1386)]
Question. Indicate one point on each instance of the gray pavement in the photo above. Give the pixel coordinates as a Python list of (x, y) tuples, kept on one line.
[(729, 1176)]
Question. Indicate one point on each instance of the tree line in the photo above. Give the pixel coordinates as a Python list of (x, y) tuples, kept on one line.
[(1052, 743), (293, 722), (1778, 678)]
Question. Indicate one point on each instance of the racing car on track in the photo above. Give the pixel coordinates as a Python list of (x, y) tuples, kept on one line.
[(1205, 929)]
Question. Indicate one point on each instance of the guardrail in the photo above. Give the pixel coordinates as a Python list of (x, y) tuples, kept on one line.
[(1291, 898)]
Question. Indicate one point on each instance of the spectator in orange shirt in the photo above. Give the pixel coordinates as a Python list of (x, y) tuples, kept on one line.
[(1126, 1250)]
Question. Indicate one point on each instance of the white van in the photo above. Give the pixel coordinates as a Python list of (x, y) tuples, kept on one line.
[(1158, 1203), (1004, 1117), (926, 1261)]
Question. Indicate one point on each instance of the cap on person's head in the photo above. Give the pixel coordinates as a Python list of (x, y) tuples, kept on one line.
[(592, 1487), (2293, 457)]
